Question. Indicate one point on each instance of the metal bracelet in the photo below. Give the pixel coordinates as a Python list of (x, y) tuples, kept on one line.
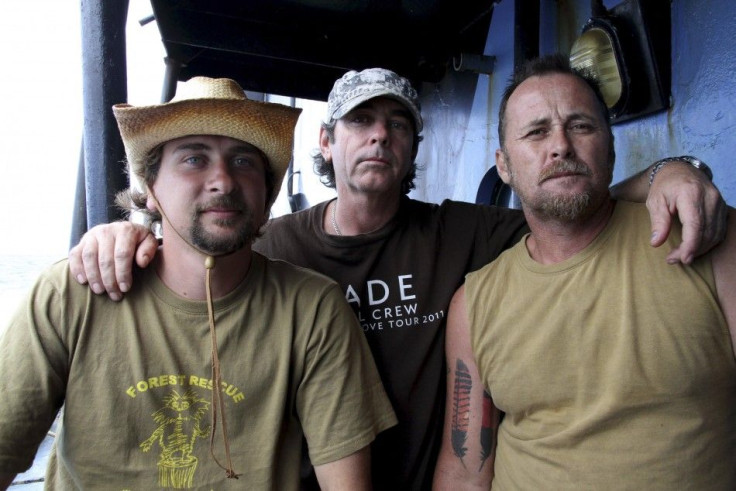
[(693, 161)]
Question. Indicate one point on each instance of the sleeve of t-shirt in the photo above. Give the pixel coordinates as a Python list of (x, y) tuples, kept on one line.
[(32, 361), (503, 228), (341, 401), (492, 229)]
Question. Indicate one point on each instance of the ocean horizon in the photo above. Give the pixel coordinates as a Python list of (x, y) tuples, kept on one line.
[(19, 273)]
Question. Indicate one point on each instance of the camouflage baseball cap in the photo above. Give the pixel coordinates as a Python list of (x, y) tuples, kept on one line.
[(354, 88)]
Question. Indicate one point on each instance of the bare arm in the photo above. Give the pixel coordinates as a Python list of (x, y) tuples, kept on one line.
[(683, 191), (104, 256), (469, 437), (349, 473), (724, 270)]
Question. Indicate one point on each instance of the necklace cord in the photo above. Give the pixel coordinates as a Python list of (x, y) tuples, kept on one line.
[(334, 219), (217, 401), (217, 397)]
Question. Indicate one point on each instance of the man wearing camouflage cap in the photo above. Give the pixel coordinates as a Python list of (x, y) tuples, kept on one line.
[(398, 260)]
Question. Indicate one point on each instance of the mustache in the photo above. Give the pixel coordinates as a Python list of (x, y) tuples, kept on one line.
[(564, 166), (224, 201), (377, 156)]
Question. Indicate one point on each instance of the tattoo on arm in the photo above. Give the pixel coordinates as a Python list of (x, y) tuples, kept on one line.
[(460, 409), (486, 430)]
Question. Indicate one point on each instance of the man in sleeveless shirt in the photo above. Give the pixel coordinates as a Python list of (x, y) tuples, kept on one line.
[(612, 369)]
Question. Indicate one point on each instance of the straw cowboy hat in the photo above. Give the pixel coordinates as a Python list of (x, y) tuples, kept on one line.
[(209, 106)]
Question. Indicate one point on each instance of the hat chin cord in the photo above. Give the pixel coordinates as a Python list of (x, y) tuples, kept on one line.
[(217, 397)]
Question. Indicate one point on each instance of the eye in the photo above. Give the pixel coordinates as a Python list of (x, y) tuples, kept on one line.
[(247, 162), (194, 160), (400, 124), (358, 118), (582, 127), (536, 133)]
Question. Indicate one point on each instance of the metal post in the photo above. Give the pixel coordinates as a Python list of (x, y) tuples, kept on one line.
[(104, 84), (79, 214), (526, 30), (171, 76)]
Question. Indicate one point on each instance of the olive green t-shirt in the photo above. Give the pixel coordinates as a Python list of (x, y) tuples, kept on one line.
[(615, 370), (136, 383)]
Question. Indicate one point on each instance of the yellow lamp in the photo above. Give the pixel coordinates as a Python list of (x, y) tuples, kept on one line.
[(594, 53)]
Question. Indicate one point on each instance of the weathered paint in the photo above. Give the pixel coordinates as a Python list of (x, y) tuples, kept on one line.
[(461, 127), (460, 138)]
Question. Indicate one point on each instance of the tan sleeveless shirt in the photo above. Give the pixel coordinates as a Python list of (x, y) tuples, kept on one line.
[(615, 370)]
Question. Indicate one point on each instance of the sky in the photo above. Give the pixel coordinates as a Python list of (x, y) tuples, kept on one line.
[(41, 131)]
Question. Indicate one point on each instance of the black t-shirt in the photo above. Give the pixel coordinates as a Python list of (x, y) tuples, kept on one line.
[(400, 280)]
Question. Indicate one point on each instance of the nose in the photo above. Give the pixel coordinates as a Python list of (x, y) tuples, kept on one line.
[(380, 133), (220, 178), (561, 145)]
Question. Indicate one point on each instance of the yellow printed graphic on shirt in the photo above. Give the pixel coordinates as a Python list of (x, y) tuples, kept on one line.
[(178, 426), (162, 381)]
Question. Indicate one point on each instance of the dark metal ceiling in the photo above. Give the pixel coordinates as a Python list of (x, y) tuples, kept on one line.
[(300, 47)]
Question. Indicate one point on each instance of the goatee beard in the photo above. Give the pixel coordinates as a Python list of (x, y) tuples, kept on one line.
[(563, 207), (566, 208), (243, 228)]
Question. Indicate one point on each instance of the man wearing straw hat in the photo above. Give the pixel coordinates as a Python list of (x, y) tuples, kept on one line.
[(278, 344), (398, 260)]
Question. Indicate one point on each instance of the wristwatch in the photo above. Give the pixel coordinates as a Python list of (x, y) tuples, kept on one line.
[(694, 161)]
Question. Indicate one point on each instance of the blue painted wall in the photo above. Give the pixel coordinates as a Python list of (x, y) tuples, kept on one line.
[(702, 118), (461, 139)]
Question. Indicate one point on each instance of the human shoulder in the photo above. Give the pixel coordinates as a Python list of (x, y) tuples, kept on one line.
[(55, 303), (463, 208), (499, 268), (284, 271), (286, 232), (452, 210), (724, 270), (630, 208), (57, 276), (633, 219), (297, 219), (501, 227)]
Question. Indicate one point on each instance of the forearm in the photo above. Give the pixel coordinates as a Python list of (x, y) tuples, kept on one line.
[(450, 476), (467, 454), (351, 473), (634, 188)]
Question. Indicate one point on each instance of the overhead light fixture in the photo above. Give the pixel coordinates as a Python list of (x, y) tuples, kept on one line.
[(594, 52), (627, 48)]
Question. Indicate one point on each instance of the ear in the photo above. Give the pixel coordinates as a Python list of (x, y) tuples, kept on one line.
[(151, 202), (502, 166), (324, 145)]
